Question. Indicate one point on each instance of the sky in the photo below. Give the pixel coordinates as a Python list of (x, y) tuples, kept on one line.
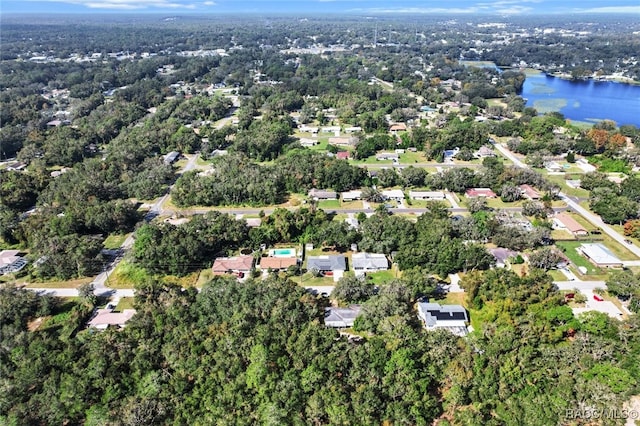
[(359, 7)]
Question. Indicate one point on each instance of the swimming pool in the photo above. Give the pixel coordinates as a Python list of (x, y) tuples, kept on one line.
[(284, 252)]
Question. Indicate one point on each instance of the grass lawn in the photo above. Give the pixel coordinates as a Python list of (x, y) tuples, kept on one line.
[(453, 299), (127, 275), (329, 204), (574, 192), (124, 303), (114, 241), (308, 280), (582, 221), (557, 275), (412, 157), (351, 204), (497, 203), (371, 161), (569, 248), (618, 249), (520, 269), (61, 284), (383, 277)]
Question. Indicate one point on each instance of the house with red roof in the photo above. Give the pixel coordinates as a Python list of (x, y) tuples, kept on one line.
[(479, 192)]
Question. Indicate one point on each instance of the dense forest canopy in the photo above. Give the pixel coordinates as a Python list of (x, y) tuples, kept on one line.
[(257, 352)]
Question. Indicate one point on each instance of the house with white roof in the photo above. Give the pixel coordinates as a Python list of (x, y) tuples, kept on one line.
[(369, 262), (600, 255), (452, 318), (427, 195), (356, 194), (393, 194), (11, 261)]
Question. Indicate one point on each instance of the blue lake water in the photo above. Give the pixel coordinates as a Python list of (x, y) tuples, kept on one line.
[(588, 100)]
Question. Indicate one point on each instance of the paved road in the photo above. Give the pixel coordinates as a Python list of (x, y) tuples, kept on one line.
[(73, 292), (403, 165), (594, 219), (269, 210), (580, 285)]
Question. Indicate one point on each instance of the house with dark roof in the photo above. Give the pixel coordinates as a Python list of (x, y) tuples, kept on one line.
[(502, 256), (327, 263), (369, 262), (452, 318), (321, 194), (341, 317), (171, 157)]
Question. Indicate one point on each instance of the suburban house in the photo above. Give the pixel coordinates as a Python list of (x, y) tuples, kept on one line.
[(353, 129), (306, 142), (553, 167), (484, 152), (319, 194), (11, 262), (171, 157), (452, 318), (356, 194), (393, 194), (307, 129), (330, 265), (566, 222), (398, 127), (232, 265), (600, 255), (277, 263), (502, 256), (479, 192), (343, 155), (387, 156), (427, 195), (343, 141), (369, 262), (341, 317), (331, 129), (528, 192), (352, 222), (253, 222), (450, 153), (104, 318)]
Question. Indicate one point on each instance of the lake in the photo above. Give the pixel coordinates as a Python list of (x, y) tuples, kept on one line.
[(583, 100)]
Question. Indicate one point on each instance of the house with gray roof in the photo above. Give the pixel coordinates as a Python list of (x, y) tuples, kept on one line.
[(341, 317), (11, 261), (369, 262), (320, 194), (327, 263), (452, 318)]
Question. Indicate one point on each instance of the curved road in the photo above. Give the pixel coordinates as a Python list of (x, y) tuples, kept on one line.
[(593, 218)]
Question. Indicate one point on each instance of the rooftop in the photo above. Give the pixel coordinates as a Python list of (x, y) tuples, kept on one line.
[(341, 317), (599, 254), (277, 262), (106, 317), (369, 261), (237, 263), (327, 263)]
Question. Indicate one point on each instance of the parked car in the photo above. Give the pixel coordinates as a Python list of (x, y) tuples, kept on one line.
[(598, 298)]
